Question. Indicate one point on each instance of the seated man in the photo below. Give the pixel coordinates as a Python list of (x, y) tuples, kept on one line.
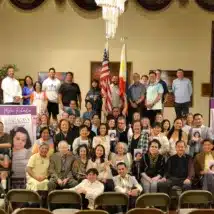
[(37, 169), (179, 170), (90, 188), (202, 164), (127, 184), (60, 168)]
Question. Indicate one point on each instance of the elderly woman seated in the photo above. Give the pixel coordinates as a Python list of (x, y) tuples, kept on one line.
[(37, 169), (121, 155)]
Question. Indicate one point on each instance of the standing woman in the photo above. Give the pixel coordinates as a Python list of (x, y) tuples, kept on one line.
[(177, 134), (27, 90), (38, 98), (94, 96)]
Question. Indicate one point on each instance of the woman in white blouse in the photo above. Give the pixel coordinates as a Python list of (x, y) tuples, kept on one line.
[(99, 162), (102, 139), (121, 155)]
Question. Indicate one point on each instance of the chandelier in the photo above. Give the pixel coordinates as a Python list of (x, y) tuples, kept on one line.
[(111, 10)]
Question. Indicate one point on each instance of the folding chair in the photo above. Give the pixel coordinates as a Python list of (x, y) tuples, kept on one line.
[(22, 196), (112, 199), (161, 200), (31, 211), (145, 211), (194, 197), (202, 211), (64, 197), (2, 211), (91, 212)]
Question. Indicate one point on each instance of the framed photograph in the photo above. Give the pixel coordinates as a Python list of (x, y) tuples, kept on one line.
[(168, 76), (206, 89), (96, 68), (43, 75)]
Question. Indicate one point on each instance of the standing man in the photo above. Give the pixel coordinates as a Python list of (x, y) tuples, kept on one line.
[(136, 96), (51, 87), (69, 91), (12, 92), (153, 97), (164, 85), (182, 89)]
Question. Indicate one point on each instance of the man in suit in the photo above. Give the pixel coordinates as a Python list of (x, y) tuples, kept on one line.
[(60, 168)]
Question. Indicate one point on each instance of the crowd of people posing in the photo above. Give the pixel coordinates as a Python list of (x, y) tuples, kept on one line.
[(131, 155)]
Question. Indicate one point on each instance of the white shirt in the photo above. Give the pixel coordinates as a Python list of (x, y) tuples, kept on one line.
[(153, 90), (92, 190), (51, 87), (11, 88)]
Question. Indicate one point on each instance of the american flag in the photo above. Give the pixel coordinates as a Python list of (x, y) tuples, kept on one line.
[(105, 81)]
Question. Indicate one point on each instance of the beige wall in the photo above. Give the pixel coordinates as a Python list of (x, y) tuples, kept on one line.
[(61, 37)]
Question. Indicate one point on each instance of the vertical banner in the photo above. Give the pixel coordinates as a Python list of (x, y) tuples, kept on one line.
[(212, 114), (20, 123)]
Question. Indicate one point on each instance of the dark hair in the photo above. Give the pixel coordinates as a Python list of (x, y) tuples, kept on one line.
[(162, 124), (157, 125), (24, 131), (83, 127), (10, 67), (89, 121), (152, 72), (70, 73), (196, 115), (52, 69), (180, 141), (103, 124), (94, 157), (60, 123), (211, 166), (93, 171), (88, 101), (146, 76), (207, 140), (180, 69), (94, 80), (1, 123), (37, 82), (95, 114), (25, 83), (83, 146), (43, 129), (155, 141), (111, 118), (171, 131), (197, 132), (138, 153), (121, 164)]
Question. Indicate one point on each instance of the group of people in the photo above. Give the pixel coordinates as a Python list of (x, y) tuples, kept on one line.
[(131, 154)]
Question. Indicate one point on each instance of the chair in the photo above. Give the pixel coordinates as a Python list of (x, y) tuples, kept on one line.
[(64, 197), (31, 211), (202, 211), (2, 211), (112, 199), (91, 212), (22, 196), (153, 199), (145, 211), (194, 197)]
